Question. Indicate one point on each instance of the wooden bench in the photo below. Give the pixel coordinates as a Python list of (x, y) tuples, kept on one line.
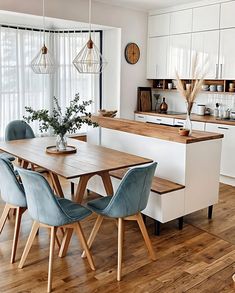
[(160, 186)]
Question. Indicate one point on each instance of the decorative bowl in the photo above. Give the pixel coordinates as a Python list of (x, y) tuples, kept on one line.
[(184, 132)]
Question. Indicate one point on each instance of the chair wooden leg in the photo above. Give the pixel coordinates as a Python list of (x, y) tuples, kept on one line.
[(29, 243), (51, 254), (65, 242), (19, 213), (4, 216), (145, 236), (82, 238), (120, 247), (94, 232)]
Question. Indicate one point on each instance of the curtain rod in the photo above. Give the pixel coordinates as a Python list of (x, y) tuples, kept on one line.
[(49, 31)]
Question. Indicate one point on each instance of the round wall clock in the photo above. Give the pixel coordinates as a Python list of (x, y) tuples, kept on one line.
[(132, 53)]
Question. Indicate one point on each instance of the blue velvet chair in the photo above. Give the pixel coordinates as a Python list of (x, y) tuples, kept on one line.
[(12, 193), (17, 129), (127, 203), (51, 212)]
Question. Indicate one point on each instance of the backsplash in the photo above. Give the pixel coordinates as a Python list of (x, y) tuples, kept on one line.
[(177, 103)]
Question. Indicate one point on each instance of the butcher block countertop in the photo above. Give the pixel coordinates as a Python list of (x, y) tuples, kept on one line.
[(163, 132), (194, 117)]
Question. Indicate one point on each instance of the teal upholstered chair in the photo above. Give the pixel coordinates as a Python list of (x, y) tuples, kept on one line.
[(12, 193), (127, 203), (51, 212), (17, 129)]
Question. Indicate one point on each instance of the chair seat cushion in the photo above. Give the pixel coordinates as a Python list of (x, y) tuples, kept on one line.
[(7, 156), (98, 205), (74, 211)]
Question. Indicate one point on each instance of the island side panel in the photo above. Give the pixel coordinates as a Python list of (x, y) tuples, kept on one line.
[(202, 175), (169, 155)]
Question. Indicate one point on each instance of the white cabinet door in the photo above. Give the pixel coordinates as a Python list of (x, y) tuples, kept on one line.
[(140, 117), (227, 56), (206, 46), (228, 147), (180, 56), (159, 25), (206, 18), (157, 57), (195, 124), (160, 120), (181, 22), (227, 19)]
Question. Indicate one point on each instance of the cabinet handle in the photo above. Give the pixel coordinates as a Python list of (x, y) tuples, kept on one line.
[(221, 70), (181, 123), (158, 119), (216, 71), (225, 128), (140, 116), (156, 70)]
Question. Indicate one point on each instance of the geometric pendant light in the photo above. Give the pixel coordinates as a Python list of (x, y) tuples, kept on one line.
[(89, 59), (43, 62)]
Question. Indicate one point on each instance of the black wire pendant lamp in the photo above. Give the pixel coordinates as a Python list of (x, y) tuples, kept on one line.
[(43, 62), (89, 59)]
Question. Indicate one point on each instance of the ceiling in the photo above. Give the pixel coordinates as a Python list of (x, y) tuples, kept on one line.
[(146, 5)]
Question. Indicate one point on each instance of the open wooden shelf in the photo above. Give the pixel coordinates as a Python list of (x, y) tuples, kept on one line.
[(163, 85)]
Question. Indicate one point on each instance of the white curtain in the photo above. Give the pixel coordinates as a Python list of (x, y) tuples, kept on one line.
[(20, 87)]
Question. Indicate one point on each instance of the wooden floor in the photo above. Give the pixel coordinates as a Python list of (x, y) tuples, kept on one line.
[(200, 258)]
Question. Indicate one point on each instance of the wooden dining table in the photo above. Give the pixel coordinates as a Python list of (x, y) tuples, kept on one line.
[(88, 161)]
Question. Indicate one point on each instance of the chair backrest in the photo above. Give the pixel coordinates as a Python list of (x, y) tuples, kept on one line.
[(42, 204), (12, 191), (133, 192), (18, 129)]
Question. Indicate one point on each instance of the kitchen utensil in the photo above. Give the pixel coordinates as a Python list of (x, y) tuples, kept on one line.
[(205, 87), (145, 101), (220, 88)]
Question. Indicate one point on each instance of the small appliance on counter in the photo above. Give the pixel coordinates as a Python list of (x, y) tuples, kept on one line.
[(163, 106), (201, 109)]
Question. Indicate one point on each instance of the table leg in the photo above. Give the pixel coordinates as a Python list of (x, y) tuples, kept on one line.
[(56, 184), (24, 164), (82, 188), (107, 182)]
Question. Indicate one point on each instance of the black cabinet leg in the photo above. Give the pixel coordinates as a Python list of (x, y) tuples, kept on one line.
[(157, 226), (210, 211), (72, 188), (181, 223), (144, 218)]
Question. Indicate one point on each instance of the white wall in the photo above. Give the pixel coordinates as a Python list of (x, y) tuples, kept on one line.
[(133, 26)]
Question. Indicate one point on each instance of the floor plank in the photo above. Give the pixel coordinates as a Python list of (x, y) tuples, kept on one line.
[(200, 258)]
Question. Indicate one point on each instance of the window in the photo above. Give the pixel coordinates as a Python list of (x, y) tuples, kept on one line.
[(20, 87)]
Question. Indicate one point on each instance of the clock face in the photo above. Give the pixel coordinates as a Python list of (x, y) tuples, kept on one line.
[(132, 53)]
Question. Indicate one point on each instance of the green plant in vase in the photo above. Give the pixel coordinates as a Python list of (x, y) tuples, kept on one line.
[(74, 117)]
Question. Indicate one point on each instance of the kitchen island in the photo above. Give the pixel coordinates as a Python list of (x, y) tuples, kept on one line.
[(193, 162)]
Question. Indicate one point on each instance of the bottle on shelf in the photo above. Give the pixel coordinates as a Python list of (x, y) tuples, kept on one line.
[(163, 106)]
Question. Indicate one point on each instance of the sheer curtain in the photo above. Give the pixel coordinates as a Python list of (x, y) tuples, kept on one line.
[(20, 87)]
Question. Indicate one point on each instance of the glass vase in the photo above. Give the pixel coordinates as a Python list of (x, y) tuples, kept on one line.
[(188, 123), (61, 142)]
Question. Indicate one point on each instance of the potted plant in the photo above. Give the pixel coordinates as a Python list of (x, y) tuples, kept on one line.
[(74, 117)]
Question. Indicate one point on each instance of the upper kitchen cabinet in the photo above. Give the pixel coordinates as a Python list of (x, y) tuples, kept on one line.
[(227, 19), (157, 57), (181, 22), (179, 56), (159, 25), (227, 56), (206, 46), (206, 18)]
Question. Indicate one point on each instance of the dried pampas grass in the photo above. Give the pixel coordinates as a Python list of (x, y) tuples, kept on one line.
[(190, 93)]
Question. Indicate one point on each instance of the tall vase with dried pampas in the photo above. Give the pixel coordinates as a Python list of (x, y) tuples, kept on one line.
[(190, 90)]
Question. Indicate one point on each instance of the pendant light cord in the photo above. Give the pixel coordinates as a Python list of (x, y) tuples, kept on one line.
[(89, 18), (43, 11)]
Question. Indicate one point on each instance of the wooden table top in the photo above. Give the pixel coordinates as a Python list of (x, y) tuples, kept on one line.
[(89, 159), (163, 132)]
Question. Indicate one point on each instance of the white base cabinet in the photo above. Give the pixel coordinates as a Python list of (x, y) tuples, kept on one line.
[(228, 147)]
